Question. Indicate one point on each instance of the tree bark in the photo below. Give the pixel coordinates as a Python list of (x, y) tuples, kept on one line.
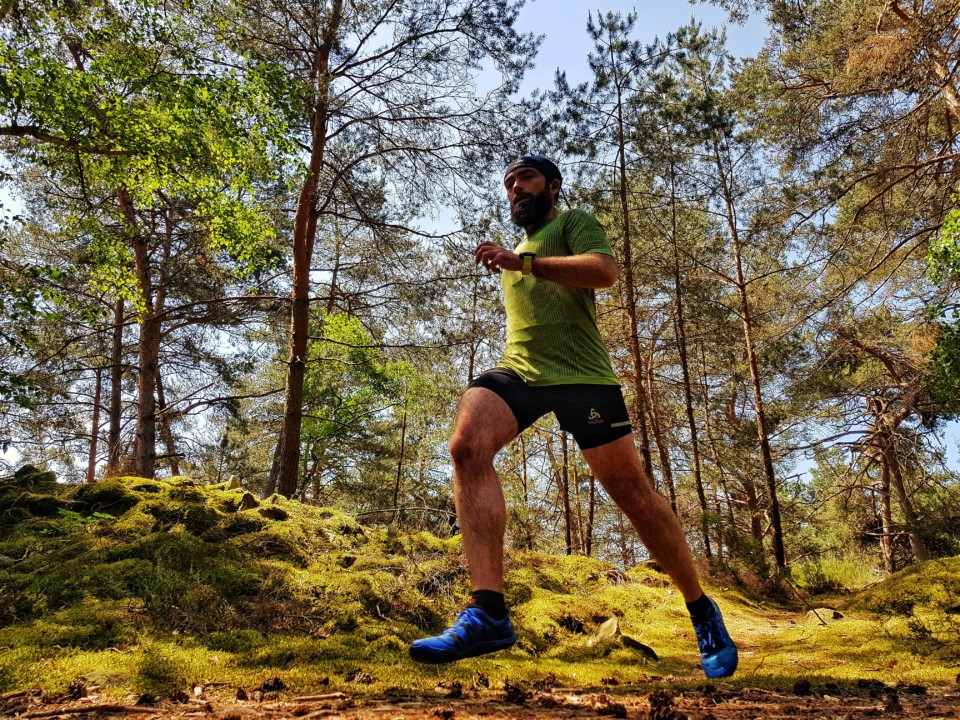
[(630, 303), (403, 445), (165, 430), (758, 406), (95, 427), (917, 545), (886, 516), (564, 478), (663, 452), (591, 512), (304, 237), (149, 346), (114, 448), (681, 334)]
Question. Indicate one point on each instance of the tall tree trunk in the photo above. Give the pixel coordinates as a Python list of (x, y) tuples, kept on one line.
[(758, 406), (116, 390), (681, 334), (919, 548), (564, 479), (403, 445), (578, 515), (630, 303), (146, 446), (95, 427), (917, 545), (663, 451), (149, 347), (316, 476), (165, 428), (886, 515), (591, 512), (474, 345), (304, 237), (717, 461), (627, 556), (523, 470)]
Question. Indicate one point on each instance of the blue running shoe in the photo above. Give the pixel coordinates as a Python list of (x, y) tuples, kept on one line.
[(473, 633), (718, 654)]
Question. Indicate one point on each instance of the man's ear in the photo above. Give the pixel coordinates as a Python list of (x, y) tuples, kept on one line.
[(555, 189)]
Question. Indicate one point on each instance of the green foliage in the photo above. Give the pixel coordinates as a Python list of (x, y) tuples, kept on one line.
[(943, 255), (943, 378)]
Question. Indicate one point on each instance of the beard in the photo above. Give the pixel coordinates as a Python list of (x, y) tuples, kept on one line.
[(533, 210)]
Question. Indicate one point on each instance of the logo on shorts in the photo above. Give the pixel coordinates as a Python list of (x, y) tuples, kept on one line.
[(594, 418)]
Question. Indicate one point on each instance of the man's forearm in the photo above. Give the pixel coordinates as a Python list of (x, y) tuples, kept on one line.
[(589, 270), (592, 270)]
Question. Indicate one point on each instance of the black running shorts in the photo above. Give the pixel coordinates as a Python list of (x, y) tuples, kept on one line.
[(594, 414)]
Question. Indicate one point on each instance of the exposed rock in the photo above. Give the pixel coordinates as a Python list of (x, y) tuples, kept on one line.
[(609, 633), (609, 630)]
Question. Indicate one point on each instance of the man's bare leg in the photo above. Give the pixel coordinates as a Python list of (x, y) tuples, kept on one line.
[(618, 468), (484, 425)]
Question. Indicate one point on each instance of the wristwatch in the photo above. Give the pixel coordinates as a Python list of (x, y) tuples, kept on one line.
[(527, 259)]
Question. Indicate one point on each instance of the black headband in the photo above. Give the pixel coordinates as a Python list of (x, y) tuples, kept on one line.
[(539, 163)]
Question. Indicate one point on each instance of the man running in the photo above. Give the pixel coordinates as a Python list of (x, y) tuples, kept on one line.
[(554, 361)]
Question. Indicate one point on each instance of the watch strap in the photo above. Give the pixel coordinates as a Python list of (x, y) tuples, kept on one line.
[(527, 267)]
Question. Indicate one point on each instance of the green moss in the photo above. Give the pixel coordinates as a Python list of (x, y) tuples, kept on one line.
[(194, 582), (243, 523), (237, 641), (159, 672), (143, 486), (89, 625), (933, 584), (29, 478), (43, 505), (188, 493), (107, 496), (16, 667)]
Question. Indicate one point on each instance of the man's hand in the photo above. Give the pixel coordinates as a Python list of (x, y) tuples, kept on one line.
[(495, 258)]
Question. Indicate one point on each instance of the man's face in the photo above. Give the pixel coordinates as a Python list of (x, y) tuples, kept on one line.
[(531, 199)]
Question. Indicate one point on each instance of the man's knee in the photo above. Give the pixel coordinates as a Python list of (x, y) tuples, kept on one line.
[(466, 452)]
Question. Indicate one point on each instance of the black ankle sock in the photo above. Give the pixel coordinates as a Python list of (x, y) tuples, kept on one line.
[(700, 607), (490, 602)]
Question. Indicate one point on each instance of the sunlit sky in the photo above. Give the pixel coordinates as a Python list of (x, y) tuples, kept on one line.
[(566, 44)]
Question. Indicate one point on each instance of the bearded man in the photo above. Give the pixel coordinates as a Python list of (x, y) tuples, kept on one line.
[(554, 361)]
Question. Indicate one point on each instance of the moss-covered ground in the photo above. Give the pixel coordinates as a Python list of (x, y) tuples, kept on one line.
[(145, 586)]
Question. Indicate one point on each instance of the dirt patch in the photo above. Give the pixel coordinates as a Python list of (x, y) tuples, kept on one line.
[(871, 700)]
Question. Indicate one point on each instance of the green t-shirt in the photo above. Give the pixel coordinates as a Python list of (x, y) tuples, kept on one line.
[(552, 335)]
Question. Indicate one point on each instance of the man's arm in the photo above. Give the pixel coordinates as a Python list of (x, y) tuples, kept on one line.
[(589, 270)]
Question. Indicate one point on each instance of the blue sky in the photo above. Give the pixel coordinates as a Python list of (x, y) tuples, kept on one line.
[(566, 44)]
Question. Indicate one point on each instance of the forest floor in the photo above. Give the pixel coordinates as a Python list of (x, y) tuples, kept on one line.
[(514, 703), (201, 602)]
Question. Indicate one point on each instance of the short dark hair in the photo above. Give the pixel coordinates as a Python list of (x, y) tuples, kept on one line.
[(544, 165)]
